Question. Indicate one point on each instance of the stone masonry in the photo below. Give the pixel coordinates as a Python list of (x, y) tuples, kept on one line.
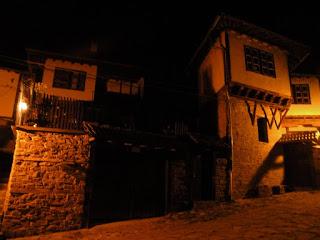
[(221, 179), (179, 185), (255, 164), (46, 190), (316, 166)]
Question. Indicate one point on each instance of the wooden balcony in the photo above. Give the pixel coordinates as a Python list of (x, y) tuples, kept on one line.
[(65, 113)]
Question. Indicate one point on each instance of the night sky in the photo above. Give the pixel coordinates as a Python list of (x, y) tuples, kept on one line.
[(158, 37)]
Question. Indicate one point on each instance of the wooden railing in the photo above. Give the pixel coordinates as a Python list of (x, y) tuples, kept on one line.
[(174, 128), (66, 113), (55, 112)]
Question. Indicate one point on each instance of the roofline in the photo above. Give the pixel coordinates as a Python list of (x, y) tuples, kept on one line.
[(301, 60), (82, 59), (213, 26), (224, 22), (13, 70), (305, 75)]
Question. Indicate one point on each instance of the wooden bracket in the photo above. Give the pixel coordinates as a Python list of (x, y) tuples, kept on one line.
[(253, 113), (274, 113), (283, 114), (270, 123)]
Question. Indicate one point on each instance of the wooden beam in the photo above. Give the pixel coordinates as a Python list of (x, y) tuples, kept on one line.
[(45, 129), (261, 95), (274, 113), (253, 113), (270, 123)]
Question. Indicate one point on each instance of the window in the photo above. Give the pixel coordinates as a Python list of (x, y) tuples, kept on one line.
[(123, 87), (301, 93), (259, 61), (69, 79), (263, 129)]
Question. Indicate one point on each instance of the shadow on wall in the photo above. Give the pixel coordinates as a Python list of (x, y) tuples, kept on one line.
[(273, 161)]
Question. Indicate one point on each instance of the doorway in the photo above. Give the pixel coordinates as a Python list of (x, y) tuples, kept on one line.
[(203, 177), (126, 185)]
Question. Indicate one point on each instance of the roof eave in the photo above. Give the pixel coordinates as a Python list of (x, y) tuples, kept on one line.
[(297, 51)]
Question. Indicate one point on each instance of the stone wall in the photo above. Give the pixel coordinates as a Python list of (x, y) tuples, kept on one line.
[(221, 179), (179, 184), (316, 166), (46, 190), (254, 163)]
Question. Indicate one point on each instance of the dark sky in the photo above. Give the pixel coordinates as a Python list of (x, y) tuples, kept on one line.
[(163, 35)]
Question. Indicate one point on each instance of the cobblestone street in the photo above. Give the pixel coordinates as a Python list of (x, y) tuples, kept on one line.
[(288, 216)]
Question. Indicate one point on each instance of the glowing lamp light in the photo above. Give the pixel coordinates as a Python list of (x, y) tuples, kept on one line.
[(23, 106), (317, 135)]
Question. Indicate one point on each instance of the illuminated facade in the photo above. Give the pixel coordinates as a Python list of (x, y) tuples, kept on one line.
[(301, 140), (88, 152), (79, 78), (82, 152), (244, 96), (8, 92)]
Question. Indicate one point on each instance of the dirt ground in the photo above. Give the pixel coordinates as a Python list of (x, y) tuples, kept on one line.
[(293, 215)]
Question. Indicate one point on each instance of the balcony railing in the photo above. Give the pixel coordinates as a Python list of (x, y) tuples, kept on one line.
[(54, 112), (65, 113)]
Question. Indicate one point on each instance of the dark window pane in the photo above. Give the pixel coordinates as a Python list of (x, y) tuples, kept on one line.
[(301, 93), (69, 79), (259, 61), (263, 130)]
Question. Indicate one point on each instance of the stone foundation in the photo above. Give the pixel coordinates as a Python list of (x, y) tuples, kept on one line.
[(221, 180), (316, 166), (179, 185), (46, 190)]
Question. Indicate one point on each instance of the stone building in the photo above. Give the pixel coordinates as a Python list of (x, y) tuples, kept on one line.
[(301, 145), (81, 154), (243, 73), (86, 152), (9, 82)]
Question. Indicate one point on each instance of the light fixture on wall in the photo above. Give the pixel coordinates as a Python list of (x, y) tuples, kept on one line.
[(317, 135), (23, 106), (316, 143)]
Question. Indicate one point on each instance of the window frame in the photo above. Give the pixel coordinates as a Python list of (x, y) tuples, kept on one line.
[(259, 61), (304, 93), (132, 86), (71, 74)]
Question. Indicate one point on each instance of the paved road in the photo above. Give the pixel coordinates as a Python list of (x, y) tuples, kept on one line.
[(288, 216)]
